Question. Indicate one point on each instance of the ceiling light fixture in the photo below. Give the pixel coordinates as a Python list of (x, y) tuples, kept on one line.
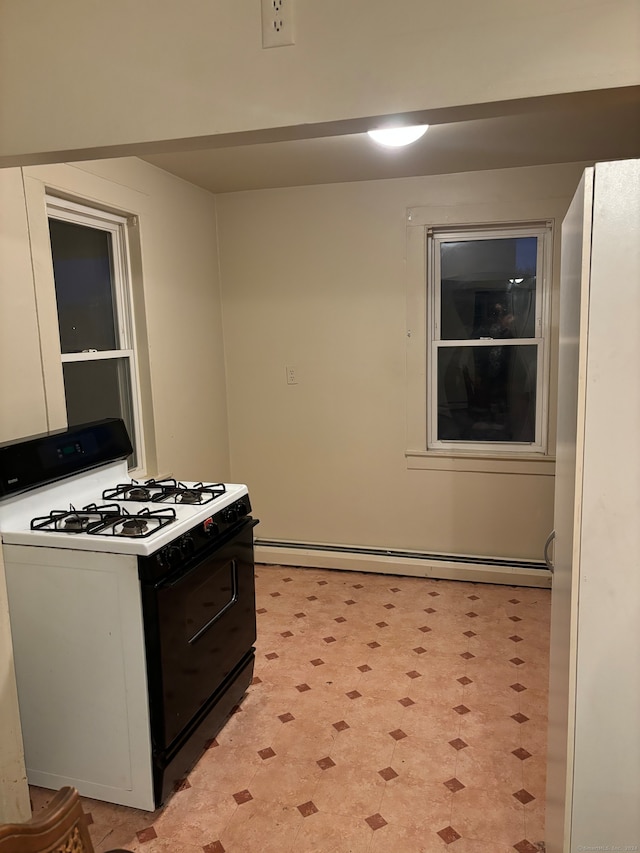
[(395, 137)]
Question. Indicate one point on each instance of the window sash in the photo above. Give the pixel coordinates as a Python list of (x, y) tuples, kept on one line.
[(117, 226), (434, 342), (492, 446)]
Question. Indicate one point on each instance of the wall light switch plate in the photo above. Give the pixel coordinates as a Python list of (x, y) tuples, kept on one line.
[(277, 23)]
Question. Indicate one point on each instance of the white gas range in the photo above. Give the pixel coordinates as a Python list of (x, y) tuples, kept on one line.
[(104, 510), (132, 609)]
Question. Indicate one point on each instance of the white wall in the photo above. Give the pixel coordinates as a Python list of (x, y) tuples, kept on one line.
[(76, 75), (315, 278)]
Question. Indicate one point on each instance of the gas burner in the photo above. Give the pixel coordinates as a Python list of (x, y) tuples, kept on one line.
[(134, 491), (139, 493), (73, 523), (190, 496), (133, 527)]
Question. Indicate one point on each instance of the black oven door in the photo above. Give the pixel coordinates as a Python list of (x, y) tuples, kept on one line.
[(200, 625)]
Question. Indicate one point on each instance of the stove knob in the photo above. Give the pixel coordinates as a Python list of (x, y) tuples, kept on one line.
[(230, 514), (174, 555), (187, 545), (242, 509), (211, 528)]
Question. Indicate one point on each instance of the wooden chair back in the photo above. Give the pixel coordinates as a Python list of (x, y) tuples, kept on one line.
[(60, 829)]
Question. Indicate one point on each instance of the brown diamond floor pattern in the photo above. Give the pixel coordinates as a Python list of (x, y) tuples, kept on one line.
[(519, 718), (526, 847), (397, 734), (449, 835), (524, 796), (147, 834), (242, 797), (388, 773), (521, 753), (286, 718), (376, 821), (266, 753)]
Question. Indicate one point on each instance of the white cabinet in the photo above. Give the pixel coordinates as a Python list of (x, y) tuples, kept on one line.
[(80, 669), (593, 776)]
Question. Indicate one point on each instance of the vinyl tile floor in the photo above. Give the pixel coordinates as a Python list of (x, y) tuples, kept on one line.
[(387, 715)]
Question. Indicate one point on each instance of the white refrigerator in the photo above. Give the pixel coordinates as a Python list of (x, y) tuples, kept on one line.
[(593, 772)]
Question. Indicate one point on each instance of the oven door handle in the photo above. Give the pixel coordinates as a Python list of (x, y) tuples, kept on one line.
[(223, 610)]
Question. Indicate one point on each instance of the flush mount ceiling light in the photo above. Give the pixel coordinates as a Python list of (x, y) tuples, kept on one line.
[(395, 137)]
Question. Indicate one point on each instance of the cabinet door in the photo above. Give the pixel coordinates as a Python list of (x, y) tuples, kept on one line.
[(574, 309)]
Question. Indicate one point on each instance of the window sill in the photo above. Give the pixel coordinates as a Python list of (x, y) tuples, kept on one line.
[(523, 463)]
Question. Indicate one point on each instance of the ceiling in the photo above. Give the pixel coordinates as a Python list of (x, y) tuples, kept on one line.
[(603, 125)]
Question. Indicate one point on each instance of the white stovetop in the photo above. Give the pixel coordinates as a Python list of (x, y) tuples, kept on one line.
[(83, 489)]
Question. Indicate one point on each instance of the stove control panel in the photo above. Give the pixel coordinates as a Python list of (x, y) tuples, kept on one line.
[(199, 539)]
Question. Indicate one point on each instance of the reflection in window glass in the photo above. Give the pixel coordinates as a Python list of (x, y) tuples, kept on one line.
[(488, 288), (99, 389), (487, 393), (82, 269)]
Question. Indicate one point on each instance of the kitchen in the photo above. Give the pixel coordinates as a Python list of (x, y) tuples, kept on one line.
[(335, 302)]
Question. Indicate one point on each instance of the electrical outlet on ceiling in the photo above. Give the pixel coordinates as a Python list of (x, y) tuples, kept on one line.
[(277, 23)]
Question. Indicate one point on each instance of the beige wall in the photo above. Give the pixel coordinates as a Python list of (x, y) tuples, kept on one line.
[(178, 302), (315, 278), (22, 400), (77, 75)]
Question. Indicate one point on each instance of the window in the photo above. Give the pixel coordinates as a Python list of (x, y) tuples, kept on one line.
[(93, 294), (487, 330)]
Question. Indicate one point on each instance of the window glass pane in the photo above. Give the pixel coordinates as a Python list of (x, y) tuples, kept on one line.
[(82, 270), (487, 393), (99, 389), (488, 288)]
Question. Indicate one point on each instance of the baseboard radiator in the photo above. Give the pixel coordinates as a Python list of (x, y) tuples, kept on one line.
[(396, 562)]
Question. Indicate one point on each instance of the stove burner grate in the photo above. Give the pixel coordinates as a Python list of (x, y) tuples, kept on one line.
[(106, 520), (135, 525), (75, 520), (168, 491)]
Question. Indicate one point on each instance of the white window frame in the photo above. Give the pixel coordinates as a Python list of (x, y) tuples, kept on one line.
[(435, 237), (117, 226)]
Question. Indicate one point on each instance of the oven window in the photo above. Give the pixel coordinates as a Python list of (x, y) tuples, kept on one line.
[(209, 600)]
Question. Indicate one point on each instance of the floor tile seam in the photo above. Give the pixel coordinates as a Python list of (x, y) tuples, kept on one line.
[(222, 829), (458, 756)]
